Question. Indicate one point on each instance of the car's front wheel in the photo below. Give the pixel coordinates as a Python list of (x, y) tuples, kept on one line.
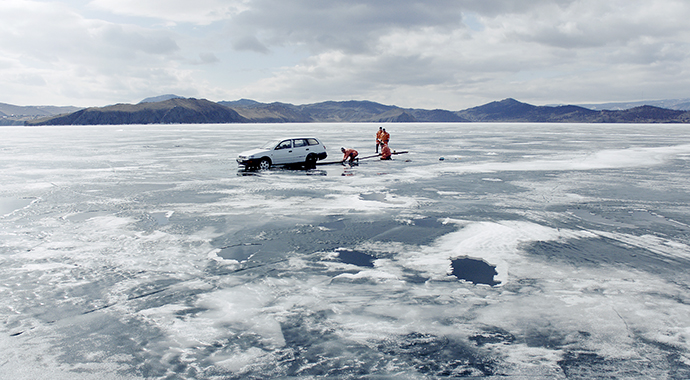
[(264, 164)]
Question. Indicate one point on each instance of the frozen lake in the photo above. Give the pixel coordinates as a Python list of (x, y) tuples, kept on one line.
[(133, 252)]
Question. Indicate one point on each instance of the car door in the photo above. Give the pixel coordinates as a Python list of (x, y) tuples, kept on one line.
[(282, 154), (300, 148)]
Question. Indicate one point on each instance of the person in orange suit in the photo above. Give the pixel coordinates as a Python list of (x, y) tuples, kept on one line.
[(350, 154), (379, 133), (385, 137), (385, 152)]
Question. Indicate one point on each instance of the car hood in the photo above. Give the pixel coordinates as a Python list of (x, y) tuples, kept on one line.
[(254, 152)]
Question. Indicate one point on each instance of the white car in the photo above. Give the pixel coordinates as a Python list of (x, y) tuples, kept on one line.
[(288, 151)]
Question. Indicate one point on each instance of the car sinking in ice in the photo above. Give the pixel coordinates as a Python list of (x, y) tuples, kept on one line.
[(289, 151)]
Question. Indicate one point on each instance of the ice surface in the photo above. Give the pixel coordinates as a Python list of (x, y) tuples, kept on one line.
[(9, 205), (143, 252)]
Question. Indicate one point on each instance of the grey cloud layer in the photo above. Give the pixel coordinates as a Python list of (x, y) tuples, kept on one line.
[(449, 54), (349, 26)]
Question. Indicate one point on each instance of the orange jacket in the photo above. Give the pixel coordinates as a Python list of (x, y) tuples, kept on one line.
[(385, 136), (385, 153), (379, 134), (351, 153)]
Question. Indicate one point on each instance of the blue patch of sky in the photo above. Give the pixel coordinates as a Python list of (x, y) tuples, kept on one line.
[(472, 21)]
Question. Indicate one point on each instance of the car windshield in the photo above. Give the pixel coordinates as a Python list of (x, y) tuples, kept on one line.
[(271, 144)]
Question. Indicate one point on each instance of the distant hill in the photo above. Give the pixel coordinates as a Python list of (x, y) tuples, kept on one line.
[(161, 98), (351, 111), (436, 116), (182, 110), (269, 113), (177, 110), (510, 110), (18, 115), (645, 114), (9, 110), (241, 103), (672, 104)]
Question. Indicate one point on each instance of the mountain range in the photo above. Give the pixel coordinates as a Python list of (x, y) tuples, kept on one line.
[(672, 104), (172, 109), (17, 115)]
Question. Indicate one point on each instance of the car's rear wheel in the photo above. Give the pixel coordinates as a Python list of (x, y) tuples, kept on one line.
[(311, 161), (264, 164)]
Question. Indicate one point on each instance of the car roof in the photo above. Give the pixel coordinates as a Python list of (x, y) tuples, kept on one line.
[(295, 138)]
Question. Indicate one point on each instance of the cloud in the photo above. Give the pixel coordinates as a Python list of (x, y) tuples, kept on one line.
[(67, 54), (249, 43), (445, 53), (127, 41), (534, 50), (178, 11), (588, 23), (207, 58), (352, 26)]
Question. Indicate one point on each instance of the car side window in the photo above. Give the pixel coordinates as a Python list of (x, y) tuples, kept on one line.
[(284, 145), (299, 143), (312, 142)]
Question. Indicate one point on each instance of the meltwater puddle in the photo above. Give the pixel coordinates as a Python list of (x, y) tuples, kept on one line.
[(474, 270)]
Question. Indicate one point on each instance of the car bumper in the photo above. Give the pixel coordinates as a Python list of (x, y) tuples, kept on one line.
[(246, 162)]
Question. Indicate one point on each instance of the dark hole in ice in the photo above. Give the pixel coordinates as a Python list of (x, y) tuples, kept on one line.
[(474, 270), (356, 258)]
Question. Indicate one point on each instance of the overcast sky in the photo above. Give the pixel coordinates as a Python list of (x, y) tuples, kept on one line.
[(424, 54)]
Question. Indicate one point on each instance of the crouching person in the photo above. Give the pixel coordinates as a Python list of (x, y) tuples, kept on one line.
[(385, 152), (349, 154)]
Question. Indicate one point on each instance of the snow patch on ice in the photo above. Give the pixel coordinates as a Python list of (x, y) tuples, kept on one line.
[(374, 276), (605, 159), (497, 243), (243, 308)]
